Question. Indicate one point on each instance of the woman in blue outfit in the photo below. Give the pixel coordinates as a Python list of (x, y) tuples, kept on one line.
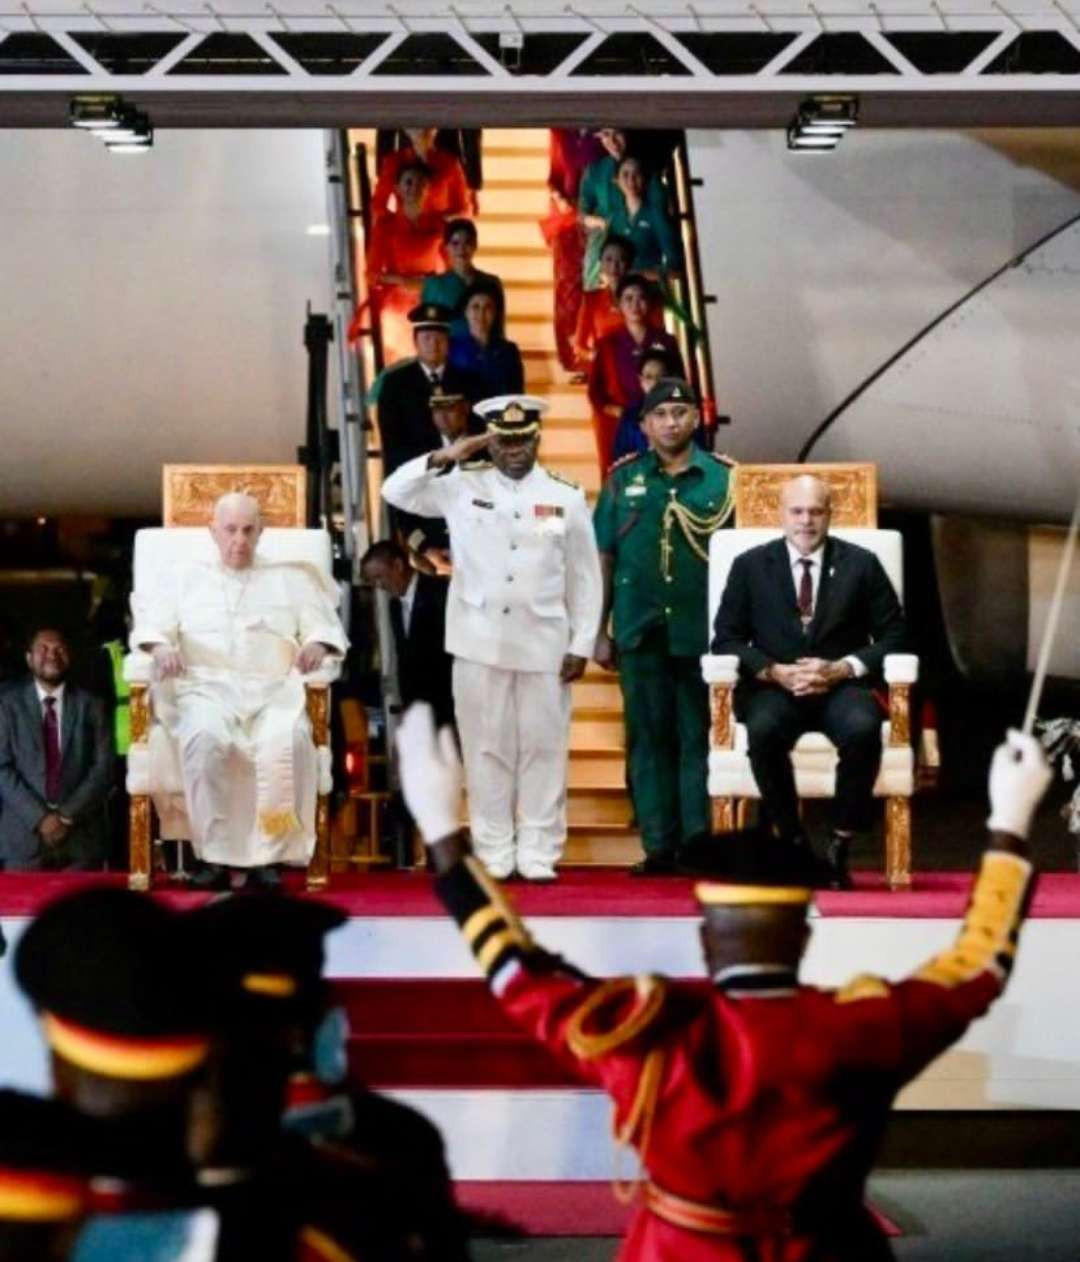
[(481, 351)]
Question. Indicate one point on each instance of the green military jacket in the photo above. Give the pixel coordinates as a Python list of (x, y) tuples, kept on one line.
[(660, 576)]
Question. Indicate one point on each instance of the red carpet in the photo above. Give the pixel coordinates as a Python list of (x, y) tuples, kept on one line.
[(582, 892), (561, 1209)]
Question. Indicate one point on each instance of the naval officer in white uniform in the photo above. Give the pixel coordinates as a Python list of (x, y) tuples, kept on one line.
[(521, 619)]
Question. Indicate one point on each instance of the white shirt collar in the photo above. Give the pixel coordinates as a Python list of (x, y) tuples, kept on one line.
[(795, 556), (409, 595), (57, 693)]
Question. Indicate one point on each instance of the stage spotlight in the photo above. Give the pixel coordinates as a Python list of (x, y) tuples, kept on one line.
[(123, 128), (821, 122), (134, 135), (96, 113)]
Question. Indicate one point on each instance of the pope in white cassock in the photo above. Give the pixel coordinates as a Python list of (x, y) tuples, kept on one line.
[(231, 641)]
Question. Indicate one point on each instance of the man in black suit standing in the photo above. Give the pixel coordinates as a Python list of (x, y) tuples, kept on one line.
[(406, 427), (811, 619), (56, 766), (418, 617)]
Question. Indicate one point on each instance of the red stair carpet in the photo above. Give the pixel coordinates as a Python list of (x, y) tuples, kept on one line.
[(579, 892)]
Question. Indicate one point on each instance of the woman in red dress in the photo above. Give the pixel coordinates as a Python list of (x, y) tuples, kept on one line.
[(572, 150), (615, 377), (600, 312), (403, 251), (448, 194)]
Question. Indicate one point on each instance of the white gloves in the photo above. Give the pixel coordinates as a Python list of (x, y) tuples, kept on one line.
[(1019, 776), (430, 771)]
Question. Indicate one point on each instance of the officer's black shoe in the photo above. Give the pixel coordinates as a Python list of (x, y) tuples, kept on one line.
[(266, 878), (656, 865), (837, 858), (211, 876)]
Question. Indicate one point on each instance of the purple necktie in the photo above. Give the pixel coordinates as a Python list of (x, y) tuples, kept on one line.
[(52, 751), (806, 592)]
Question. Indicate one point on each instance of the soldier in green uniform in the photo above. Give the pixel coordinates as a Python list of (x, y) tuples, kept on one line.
[(653, 521)]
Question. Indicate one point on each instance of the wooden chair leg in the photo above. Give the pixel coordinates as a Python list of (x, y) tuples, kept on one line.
[(318, 873), (139, 842), (723, 814), (898, 843)]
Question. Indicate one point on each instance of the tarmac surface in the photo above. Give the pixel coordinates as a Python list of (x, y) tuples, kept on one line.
[(954, 1216)]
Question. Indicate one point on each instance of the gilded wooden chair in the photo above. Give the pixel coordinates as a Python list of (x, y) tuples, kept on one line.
[(188, 496), (731, 781)]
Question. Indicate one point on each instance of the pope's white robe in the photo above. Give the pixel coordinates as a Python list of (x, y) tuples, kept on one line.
[(237, 714)]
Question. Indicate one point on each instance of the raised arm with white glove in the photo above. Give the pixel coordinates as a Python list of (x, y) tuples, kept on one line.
[(1019, 776), (429, 768)]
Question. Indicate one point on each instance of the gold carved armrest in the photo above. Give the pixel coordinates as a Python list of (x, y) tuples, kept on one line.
[(901, 671), (720, 672)]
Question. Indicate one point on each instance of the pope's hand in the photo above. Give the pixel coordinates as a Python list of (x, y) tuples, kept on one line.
[(167, 661), (311, 657), (1019, 776), (430, 771)]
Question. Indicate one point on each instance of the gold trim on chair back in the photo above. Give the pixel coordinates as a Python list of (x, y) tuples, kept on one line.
[(853, 486), (188, 492)]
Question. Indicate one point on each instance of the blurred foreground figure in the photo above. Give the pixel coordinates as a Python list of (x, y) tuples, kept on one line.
[(46, 1151), (351, 1174), (756, 1107)]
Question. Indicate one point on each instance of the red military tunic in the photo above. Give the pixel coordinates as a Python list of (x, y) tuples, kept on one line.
[(757, 1104)]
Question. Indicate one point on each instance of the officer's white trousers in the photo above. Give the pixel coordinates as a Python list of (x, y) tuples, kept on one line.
[(515, 734)]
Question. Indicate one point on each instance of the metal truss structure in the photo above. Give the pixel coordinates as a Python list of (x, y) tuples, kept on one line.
[(699, 62)]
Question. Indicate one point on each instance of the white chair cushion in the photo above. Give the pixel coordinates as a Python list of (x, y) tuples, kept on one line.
[(160, 548), (814, 760), (726, 545)]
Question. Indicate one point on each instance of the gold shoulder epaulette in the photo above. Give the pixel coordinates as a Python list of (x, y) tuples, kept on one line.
[(592, 1038), (723, 458), (865, 986), (629, 458), (563, 479)]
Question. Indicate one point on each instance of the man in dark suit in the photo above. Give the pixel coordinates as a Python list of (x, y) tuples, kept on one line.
[(811, 619), (418, 617), (56, 766), (406, 427), (427, 539)]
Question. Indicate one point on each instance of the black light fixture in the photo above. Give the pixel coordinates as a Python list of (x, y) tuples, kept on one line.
[(821, 122), (123, 128)]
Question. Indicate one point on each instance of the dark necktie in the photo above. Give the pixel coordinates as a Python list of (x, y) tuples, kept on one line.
[(51, 731), (806, 592)]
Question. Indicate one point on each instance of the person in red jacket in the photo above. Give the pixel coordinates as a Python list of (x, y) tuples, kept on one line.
[(756, 1105)]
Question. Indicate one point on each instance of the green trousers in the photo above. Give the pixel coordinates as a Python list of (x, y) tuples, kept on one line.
[(666, 704)]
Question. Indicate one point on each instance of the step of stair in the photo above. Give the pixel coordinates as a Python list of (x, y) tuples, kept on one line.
[(531, 333), (529, 302), (568, 404), (597, 848), (516, 138), (582, 469), (598, 809), (516, 164), (512, 197), (607, 770), (592, 736), (591, 693), (502, 231), (575, 441), (531, 263)]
